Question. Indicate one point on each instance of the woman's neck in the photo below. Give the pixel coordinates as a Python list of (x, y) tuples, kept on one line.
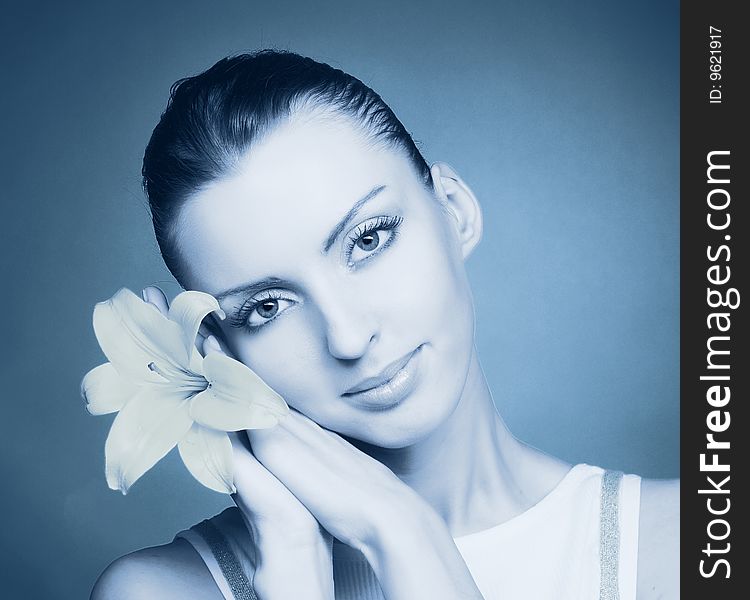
[(471, 469)]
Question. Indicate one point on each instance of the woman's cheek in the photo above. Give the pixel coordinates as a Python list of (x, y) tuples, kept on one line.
[(426, 284), (284, 354)]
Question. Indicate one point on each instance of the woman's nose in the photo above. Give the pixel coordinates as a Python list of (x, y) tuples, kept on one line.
[(349, 327), (347, 342)]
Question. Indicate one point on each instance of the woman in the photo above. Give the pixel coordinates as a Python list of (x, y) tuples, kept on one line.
[(290, 192)]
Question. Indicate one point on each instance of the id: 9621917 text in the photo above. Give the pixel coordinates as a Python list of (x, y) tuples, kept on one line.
[(714, 64)]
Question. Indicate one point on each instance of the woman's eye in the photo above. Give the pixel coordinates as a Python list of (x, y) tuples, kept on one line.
[(370, 237), (267, 310), (369, 241)]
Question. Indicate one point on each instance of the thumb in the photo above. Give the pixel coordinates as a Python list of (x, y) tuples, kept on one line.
[(155, 296), (211, 344)]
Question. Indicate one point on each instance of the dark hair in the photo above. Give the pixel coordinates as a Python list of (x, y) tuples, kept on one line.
[(212, 119)]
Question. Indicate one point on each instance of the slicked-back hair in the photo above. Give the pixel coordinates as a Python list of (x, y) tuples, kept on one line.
[(212, 120)]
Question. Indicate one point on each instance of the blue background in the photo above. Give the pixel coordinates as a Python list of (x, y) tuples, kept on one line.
[(562, 117)]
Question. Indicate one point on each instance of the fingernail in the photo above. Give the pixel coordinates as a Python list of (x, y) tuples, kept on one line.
[(211, 343), (144, 295)]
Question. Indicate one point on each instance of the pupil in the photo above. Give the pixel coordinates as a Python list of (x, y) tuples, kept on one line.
[(369, 241), (268, 309)]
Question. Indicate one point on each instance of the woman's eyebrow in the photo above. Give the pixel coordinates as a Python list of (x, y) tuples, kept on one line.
[(336, 231), (251, 288)]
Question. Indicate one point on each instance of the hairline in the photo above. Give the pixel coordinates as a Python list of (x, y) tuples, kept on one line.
[(304, 110)]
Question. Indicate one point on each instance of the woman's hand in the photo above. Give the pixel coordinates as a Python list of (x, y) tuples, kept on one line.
[(287, 538), (365, 505), (299, 483)]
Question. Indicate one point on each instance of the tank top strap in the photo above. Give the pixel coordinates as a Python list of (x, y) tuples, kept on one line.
[(221, 560), (591, 552), (618, 535)]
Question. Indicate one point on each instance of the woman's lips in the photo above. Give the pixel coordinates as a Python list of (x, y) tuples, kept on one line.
[(390, 386)]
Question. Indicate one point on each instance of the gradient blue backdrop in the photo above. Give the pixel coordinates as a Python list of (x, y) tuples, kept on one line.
[(563, 117)]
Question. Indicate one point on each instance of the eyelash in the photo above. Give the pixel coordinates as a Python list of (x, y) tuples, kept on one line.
[(382, 223), (242, 318)]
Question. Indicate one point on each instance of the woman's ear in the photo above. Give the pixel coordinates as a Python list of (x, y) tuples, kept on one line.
[(459, 201)]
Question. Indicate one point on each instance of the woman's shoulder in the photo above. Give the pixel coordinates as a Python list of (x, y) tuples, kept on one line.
[(659, 539), (173, 570)]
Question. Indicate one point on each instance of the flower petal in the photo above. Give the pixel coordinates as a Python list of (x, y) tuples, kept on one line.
[(207, 454), (133, 333), (236, 397), (105, 390), (148, 426), (188, 310)]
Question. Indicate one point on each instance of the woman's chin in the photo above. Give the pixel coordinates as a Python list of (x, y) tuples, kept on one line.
[(404, 425)]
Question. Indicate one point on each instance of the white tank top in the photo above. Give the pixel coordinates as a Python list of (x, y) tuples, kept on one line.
[(579, 542)]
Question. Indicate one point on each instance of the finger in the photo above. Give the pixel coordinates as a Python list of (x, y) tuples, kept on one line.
[(252, 480), (243, 457), (291, 449), (250, 477), (310, 432), (259, 493), (291, 437), (155, 296), (251, 502), (203, 332), (211, 344), (210, 326), (323, 446)]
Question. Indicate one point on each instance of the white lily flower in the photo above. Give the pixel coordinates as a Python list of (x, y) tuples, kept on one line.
[(167, 394)]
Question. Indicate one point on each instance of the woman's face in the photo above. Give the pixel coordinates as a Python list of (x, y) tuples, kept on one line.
[(342, 279)]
